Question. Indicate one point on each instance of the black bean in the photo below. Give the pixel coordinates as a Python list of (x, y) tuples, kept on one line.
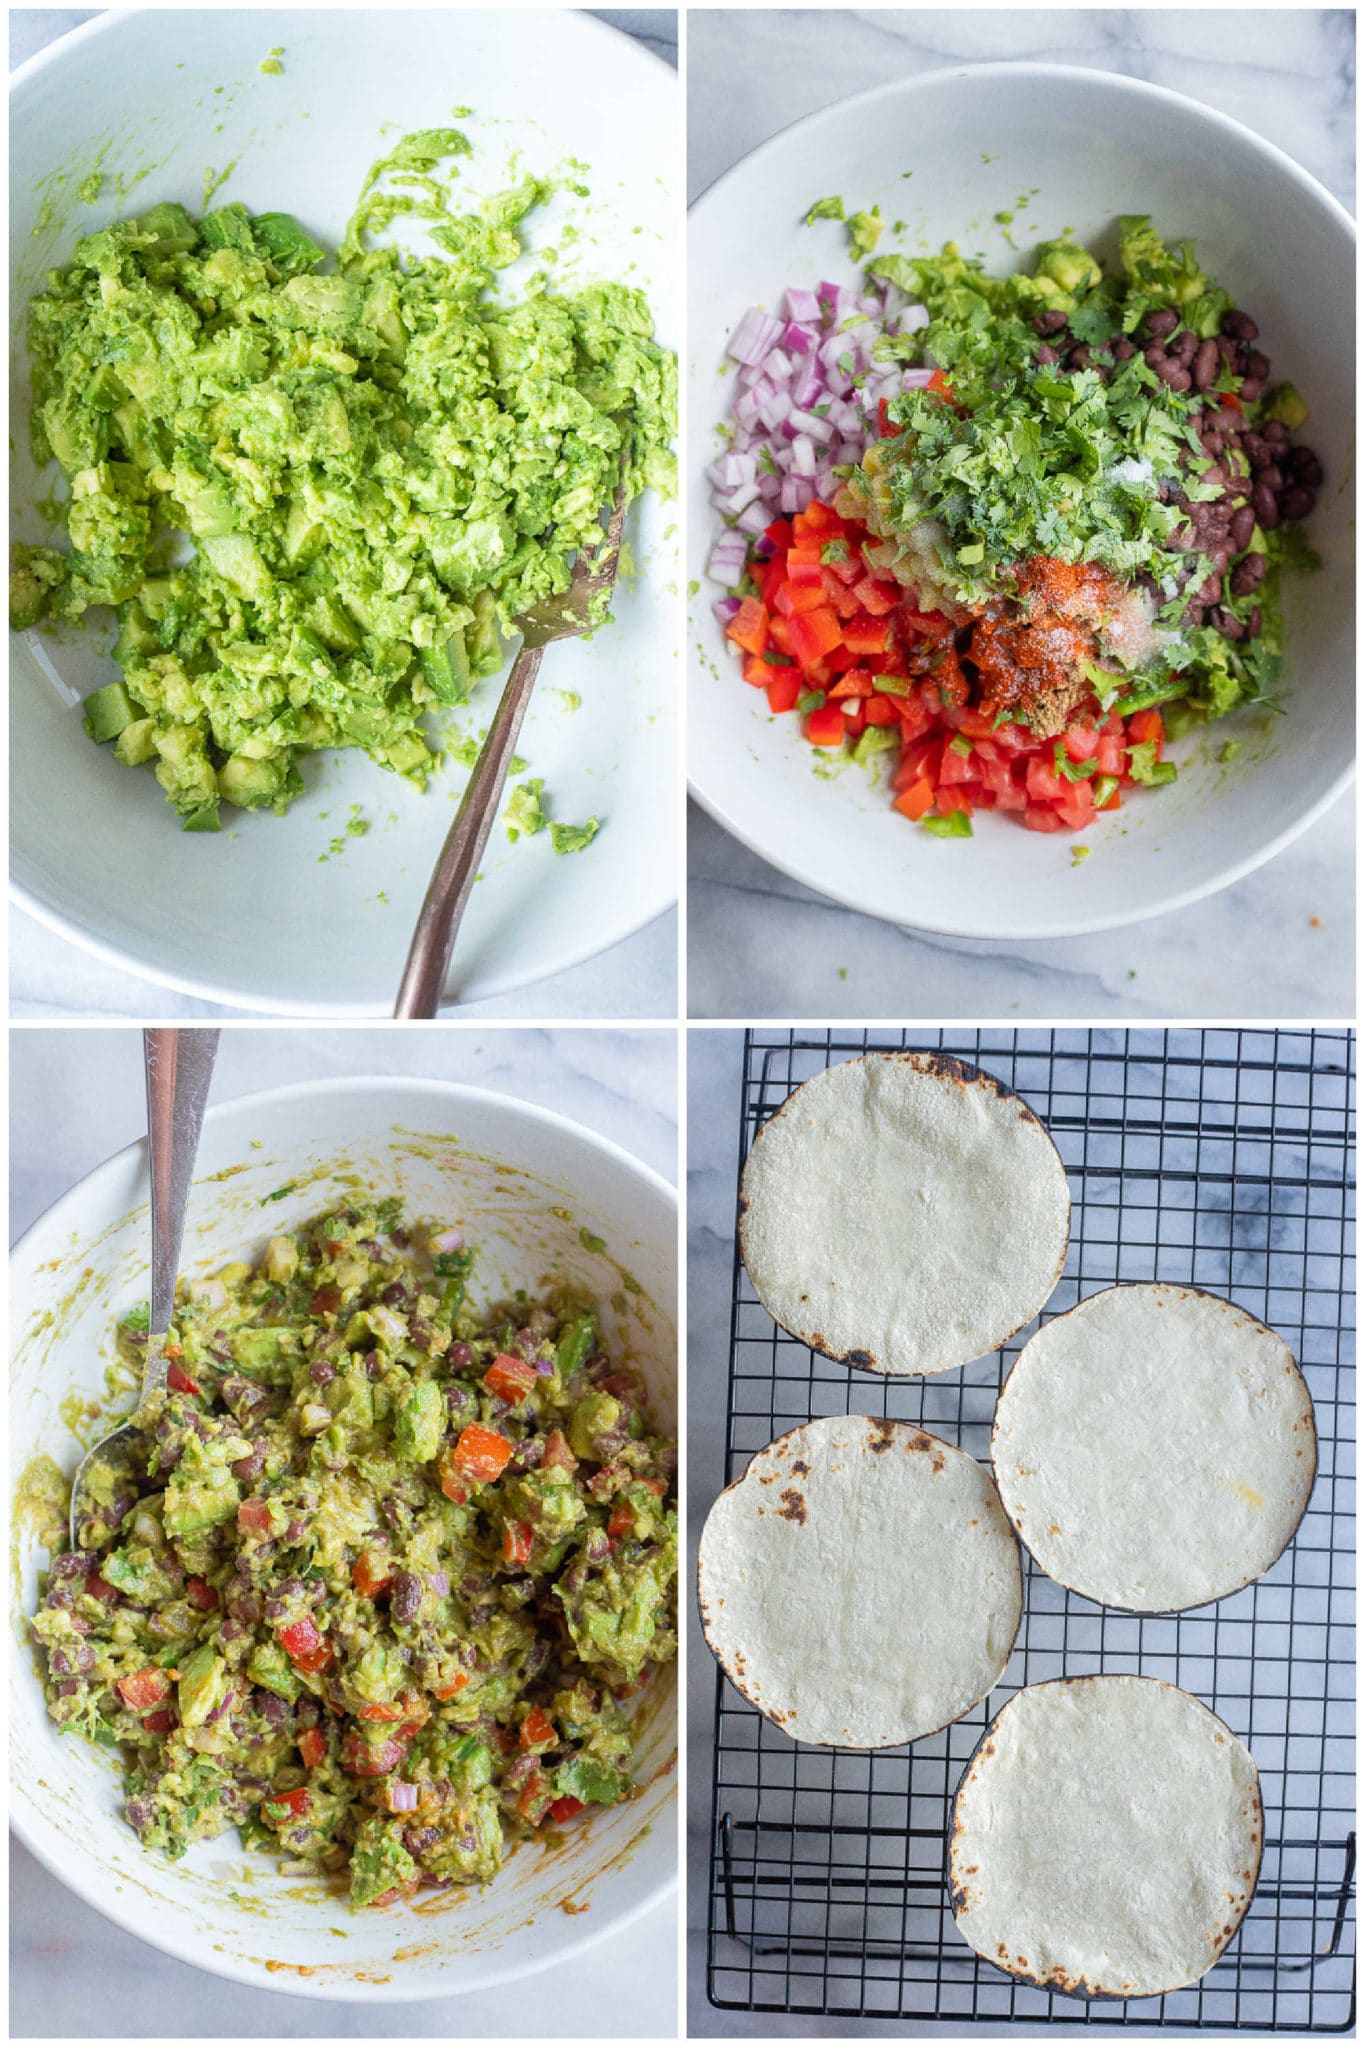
[(395, 1295), (460, 1355), (1050, 323), (1210, 590), (1204, 368), (1211, 441), (252, 1465), (321, 1372), (1154, 355), (1242, 526), (1272, 476), (1217, 478), (1240, 325), (1173, 374), (1185, 347), (1258, 365), (1276, 434), (1296, 503), (1164, 320), (1255, 449), (1123, 349), (1267, 507), (1250, 389), (1230, 628), (1254, 623), (1079, 358), (1047, 353), (406, 1599)]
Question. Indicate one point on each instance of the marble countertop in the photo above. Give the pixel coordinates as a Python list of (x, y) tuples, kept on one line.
[(77, 1097), (761, 945), (50, 977)]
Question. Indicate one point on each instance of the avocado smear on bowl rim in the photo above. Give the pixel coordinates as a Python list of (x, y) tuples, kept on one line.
[(393, 1574), (316, 496)]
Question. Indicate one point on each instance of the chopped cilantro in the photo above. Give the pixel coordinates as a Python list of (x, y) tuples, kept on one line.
[(824, 209)]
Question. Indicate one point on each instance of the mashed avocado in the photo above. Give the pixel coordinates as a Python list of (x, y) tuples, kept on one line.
[(389, 1573), (317, 492)]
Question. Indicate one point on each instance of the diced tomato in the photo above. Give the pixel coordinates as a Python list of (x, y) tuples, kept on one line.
[(565, 1808), (749, 627), (365, 1759), (622, 1521), (308, 1649), (877, 597), (511, 1379), (313, 1747), (1080, 742), (1110, 754), (296, 1802), (481, 1453), (326, 1301), (957, 768), (201, 1594), (884, 421), (940, 387), (144, 1690), (1045, 785), (538, 1731), (1230, 399), (1042, 818), (950, 800), (161, 1722), (825, 727), (517, 1538), (372, 1573), (254, 1516), (179, 1381), (784, 687)]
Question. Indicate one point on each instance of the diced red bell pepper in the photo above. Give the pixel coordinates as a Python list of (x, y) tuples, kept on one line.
[(308, 1649), (456, 1685), (917, 800), (813, 634), (313, 1747), (749, 627), (537, 1731), (880, 710), (511, 1379), (144, 1690), (877, 597), (565, 1808), (482, 1453), (179, 1381), (294, 1802), (517, 1538), (825, 727), (784, 687), (201, 1594)]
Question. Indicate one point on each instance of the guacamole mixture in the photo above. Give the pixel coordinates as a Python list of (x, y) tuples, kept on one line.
[(316, 493), (392, 1574)]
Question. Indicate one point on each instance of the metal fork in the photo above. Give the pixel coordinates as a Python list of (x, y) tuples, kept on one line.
[(560, 618)]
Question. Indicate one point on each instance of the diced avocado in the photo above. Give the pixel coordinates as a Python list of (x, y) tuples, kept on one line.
[(1284, 404), (596, 1784), (170, 226), (281, 1259), (203, 1685), (228, 227), (596, 1415), (419, 1422), (200, 1493), (108, 711), (446, 669), (137, 743), (270, 1667), (250, 783), (379, 1862), (284, 241), (575, 1343), (1068, 265)]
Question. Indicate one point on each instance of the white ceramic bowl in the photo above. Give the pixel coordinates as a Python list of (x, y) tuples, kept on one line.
[(1089, 145), (291, 915), (503, 1166)]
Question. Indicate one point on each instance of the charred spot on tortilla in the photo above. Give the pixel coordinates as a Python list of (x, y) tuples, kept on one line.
[(794, 1505)]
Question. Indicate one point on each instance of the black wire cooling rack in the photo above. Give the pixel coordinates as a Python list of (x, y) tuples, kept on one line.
[(1221, 1159)]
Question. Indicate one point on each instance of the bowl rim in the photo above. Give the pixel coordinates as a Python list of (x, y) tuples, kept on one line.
[(74, 930), (1041, 927), (25, 1820)]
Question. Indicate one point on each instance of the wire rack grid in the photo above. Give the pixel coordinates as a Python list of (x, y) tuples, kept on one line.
[(1220, 1159)]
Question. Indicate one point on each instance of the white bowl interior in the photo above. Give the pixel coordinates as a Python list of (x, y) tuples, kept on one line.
[(501, 1168), (96, 851), (1061, 149)]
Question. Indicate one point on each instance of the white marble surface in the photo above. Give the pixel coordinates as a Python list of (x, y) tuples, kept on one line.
[(76, 1097), (1279, 944), (50, 977)]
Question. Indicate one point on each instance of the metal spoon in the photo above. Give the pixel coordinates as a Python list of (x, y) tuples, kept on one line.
[(559, 618), (179, 1067)]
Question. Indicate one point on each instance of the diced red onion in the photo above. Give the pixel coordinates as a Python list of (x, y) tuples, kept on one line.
[(745, 495), (798, 341), (812, 424), (754, 336), (450, 1241), (777, 366), (402, 1796), (752, 520), (439, 1583), (724, 609), (803, 306)]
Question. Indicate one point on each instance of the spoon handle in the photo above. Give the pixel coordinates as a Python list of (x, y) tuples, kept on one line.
[(453, 876), (179, 1067)]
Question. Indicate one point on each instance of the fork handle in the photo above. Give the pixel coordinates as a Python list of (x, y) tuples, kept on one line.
[(452, 878)]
